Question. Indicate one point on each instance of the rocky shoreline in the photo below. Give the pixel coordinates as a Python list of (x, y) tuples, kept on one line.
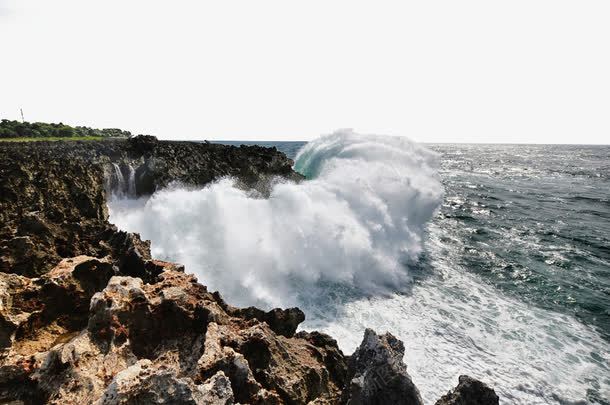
[(88, 316)]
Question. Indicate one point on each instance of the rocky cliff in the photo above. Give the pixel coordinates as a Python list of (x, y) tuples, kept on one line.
[(88, 316), (53, 194)]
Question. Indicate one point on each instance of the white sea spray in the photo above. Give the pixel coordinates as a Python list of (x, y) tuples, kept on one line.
[(357, 219)]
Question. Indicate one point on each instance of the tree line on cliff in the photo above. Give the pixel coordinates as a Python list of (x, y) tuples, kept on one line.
[(18, 129)]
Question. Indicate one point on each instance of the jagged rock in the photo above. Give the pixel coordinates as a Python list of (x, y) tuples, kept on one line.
[(133, 255), (78, 371), (147, 383), (292, 368), (141, 337), (282, 321), (171, 341), (39, 310), (53, 194), (146, 175), (217, 390), (12, 311), (332, 356), (267, 368), (377, 374), (143, 143), (41, 313), (469, 392), (155, 318), (217, 356)]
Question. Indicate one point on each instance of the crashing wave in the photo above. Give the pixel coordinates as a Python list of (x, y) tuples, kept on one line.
[(355, 222)]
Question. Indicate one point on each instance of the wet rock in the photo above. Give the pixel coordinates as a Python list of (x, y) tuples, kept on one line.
[(142, 144), (469, 392), (53, 194), (133, 254), (377, 374), (282, 321), (331, 355), (146, 178)]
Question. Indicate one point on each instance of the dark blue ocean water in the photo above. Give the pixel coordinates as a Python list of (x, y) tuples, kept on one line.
[(532, 220), (535, 221)]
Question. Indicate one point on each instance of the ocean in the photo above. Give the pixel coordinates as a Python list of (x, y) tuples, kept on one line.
[(487, 260)]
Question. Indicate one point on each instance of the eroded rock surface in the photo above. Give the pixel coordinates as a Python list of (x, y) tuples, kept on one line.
[(35, 312), (165, 342), (53, 194)]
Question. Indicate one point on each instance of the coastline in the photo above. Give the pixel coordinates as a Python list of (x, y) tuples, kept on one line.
[(81, 297)]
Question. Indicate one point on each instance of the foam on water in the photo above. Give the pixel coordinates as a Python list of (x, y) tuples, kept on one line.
[(453, 323), (339, 246)]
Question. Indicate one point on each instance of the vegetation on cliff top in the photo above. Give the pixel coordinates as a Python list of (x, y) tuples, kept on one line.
[(24, 131)]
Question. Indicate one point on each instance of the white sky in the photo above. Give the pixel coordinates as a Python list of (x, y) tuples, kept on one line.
[(435, 71)]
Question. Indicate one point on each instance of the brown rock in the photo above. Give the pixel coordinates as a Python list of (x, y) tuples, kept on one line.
[(142, 337), (53, 194), (39, 314), (35, 312), (282, 321)]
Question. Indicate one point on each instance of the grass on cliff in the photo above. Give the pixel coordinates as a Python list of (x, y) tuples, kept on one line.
[(56, 138), (23, 129)]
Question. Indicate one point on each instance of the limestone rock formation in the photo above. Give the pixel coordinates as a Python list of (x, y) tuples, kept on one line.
[(167, 341), (39, 310), (81, 334), (282, 321), (53, 194)]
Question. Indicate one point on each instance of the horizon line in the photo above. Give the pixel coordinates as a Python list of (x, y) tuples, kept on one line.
[(426, 143)]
